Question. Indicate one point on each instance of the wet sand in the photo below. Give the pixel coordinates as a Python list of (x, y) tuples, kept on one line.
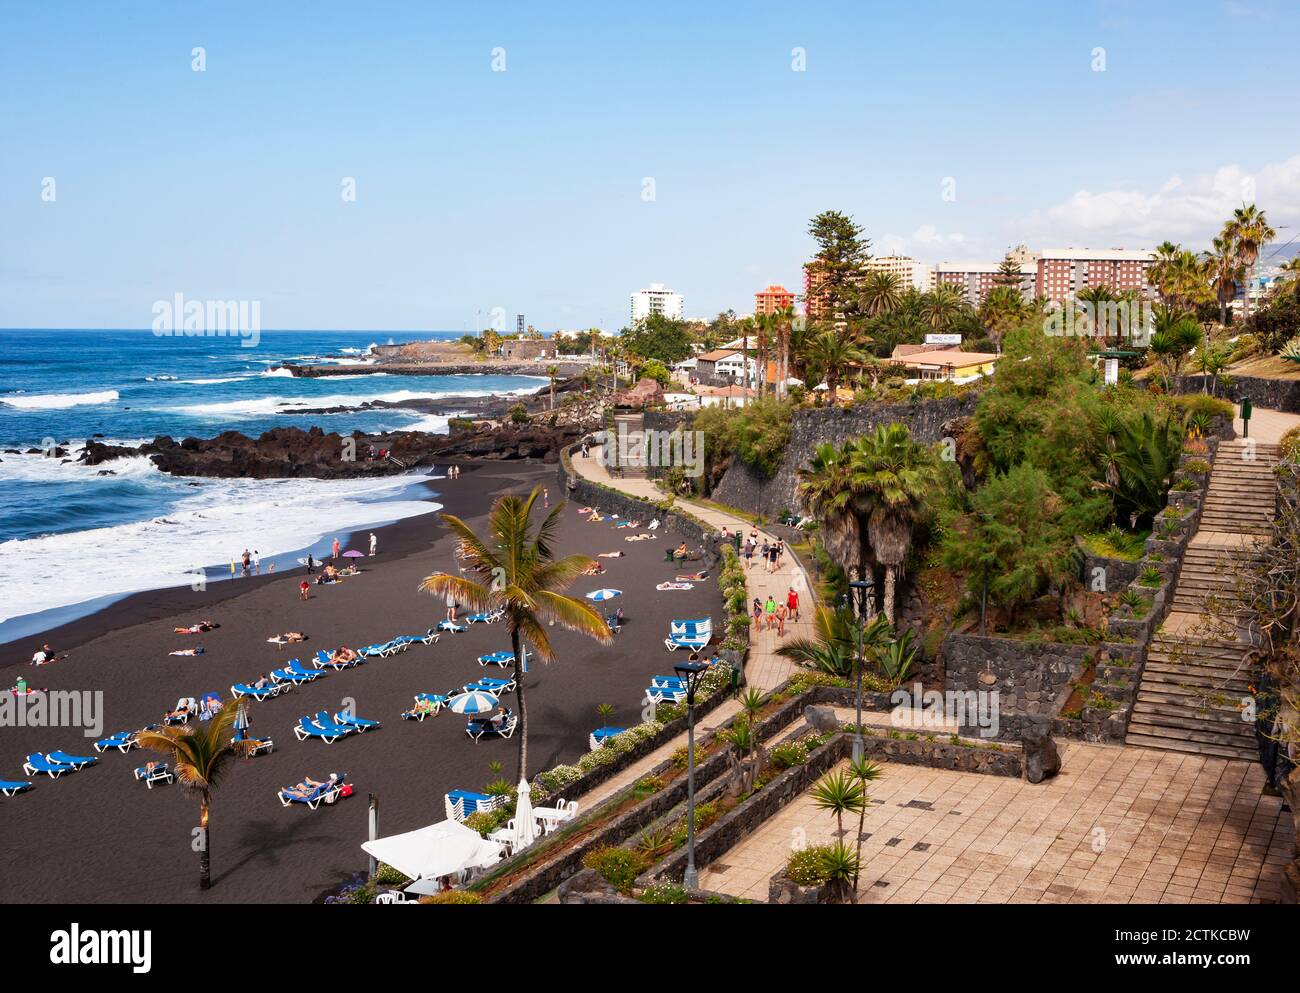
[(99, 836)]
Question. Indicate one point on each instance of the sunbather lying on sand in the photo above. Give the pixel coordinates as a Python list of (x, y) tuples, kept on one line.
[(611, 555), (694, 577), (188, 651), (200, 628), (288, 638), (595, 569)]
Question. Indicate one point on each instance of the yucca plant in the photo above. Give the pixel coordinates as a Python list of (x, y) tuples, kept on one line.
[(840, 866), (605, 711), (839, 793), (201, 757), (895, 659)]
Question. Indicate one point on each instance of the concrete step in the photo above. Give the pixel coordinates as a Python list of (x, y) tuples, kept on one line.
[(1166, 744), (1188, 718)]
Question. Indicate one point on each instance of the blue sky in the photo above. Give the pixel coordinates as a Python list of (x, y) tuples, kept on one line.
[(522, 189)]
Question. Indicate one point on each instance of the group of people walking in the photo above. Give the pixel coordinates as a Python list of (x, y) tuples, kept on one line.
[(773, 615)]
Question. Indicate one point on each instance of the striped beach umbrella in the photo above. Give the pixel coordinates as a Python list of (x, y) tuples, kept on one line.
[(473, 702), (599, 595)]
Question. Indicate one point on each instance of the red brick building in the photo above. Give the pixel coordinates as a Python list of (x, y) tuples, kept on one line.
[(1064, 272)]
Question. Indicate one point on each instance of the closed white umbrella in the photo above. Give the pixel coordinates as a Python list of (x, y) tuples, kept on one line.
[(525, 823)]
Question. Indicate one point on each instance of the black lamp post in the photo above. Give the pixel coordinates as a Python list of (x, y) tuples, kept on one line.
[(690, 673), (862, 589)]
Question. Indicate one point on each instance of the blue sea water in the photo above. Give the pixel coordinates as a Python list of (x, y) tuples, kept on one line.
[(70, 536)]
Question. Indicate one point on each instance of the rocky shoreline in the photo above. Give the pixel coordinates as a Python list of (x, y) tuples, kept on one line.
[(292, 453), (485, 368)]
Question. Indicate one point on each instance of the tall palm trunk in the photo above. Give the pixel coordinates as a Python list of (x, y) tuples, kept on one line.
[(891, 578), (205, 842), (519, 702)]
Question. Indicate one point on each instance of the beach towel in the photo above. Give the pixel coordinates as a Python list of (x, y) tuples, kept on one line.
[(610, 555), (694, 577), (675, 586)]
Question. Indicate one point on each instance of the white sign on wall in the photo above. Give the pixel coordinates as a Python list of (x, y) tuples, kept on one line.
[(943, 339)]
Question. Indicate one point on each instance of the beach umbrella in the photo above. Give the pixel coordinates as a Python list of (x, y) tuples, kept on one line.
[(599, 595), (437, 850), (525, 822), (473, 702), (352, 553), (241, 718)]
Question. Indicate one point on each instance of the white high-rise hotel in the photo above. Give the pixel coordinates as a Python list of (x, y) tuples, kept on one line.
[(656, 299)]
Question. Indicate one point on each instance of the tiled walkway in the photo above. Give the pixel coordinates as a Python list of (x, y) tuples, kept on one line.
[(1118, 825)]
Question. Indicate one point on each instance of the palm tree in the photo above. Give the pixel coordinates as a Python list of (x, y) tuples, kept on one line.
[(1003, 308), (1250, 231), (1161, 261), (769, 329), (518, 574), (881, 293), (1226, 272), (864, 771), (833, 353), (1097, 298), (551, 372), (823, 492), (941, 305), (785, 331), (890, 476), (201, 756)]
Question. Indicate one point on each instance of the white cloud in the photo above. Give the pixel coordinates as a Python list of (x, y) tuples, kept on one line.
[(925, 241), (1189, 210)]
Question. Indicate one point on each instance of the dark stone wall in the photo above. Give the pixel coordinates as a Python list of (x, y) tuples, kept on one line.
[(744, 487), (1030, 677), (1276, 394)]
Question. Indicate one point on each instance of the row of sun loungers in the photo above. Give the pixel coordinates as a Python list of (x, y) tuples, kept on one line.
[(330, 729), (295, 673), (55, 764)]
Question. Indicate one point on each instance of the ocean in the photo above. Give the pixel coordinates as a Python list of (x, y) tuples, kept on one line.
[(72, 540)]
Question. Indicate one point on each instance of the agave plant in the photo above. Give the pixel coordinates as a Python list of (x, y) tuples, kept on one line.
[(840, 866), (895, 658)]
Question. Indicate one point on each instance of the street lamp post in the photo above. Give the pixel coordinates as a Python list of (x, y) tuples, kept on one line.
[(862, 588), (690, 673)]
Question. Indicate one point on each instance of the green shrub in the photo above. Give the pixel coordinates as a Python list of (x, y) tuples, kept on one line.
[(664, 893), (617, 866), (1197, 466), (386, 875), (453, 896), (807, 867), (788, 755)]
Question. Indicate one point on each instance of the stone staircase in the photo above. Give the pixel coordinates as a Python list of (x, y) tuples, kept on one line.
[(631, 459), (1198, 670)]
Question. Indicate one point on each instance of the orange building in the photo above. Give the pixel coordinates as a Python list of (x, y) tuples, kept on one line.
[(772, 300)]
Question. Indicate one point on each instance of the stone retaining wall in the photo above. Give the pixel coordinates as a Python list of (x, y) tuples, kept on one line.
[(1276, 394), (746, 488)]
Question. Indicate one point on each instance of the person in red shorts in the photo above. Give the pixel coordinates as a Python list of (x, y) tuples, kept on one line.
[(792, 604)]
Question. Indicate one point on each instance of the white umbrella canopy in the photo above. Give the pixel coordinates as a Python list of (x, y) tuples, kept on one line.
[(525, 822), (473, 702), (437, 850)]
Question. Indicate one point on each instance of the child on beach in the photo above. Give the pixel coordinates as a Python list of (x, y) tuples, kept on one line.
[(304, 591)]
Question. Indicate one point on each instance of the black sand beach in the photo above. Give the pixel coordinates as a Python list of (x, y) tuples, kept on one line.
[(99, 836)]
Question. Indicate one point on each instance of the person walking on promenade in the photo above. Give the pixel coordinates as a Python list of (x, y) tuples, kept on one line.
[(792, 604)]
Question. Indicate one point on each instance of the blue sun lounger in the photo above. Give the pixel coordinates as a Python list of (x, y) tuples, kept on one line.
[(123, 741), (308, 728), (326, 792), (478, 727), (668, 682), (658, 694), (259, 745), (345, 720), (488, 617), (689, 634), (462, 803), (264, 693), (500, 659), (296, 668), (494, 686), (76, 761), (11, 787), (37, 763), (598, 737), (158, 774)]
